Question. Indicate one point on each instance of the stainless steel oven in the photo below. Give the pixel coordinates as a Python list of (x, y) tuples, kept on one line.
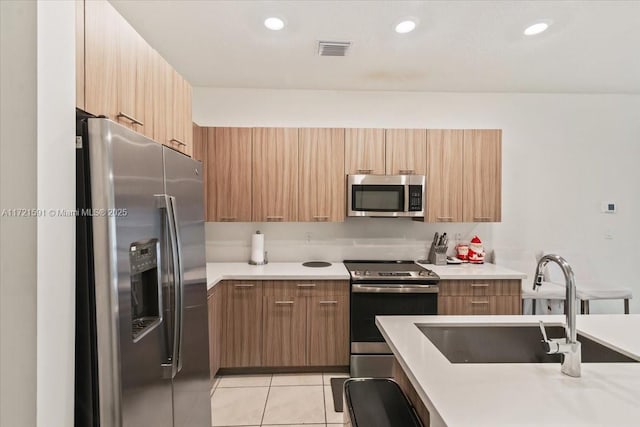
[(384, 288), (386, 195)]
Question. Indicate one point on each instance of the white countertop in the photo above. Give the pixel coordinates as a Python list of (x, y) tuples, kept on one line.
[(473, 271), (477, 395), (217, 271)]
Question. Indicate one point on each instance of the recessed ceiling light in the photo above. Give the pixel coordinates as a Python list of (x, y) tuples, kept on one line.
[(536, 28), (274, 23), (405, 26)]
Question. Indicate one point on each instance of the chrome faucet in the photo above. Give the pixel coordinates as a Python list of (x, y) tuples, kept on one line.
[(569, 346)]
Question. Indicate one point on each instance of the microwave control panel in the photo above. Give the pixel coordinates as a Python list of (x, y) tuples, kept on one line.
[(415, 198)]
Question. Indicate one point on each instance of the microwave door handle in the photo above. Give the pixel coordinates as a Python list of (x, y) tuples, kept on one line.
[(406, 197), (179, 308)]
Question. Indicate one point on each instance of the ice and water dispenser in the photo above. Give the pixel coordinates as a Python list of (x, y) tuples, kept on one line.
[(146, 287)]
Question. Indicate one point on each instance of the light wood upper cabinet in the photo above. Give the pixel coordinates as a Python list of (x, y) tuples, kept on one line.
[(100, 55), (228, 174), (80, 54), (444, 175), (328, 323), (406, 151), (364, 151), (482, 188), (242, 324), (322, 177), (160, 74), (275, 174), (128, 81), (200, 148)]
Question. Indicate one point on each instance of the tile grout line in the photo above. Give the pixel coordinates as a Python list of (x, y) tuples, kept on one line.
[(324, 402), (264, 410)]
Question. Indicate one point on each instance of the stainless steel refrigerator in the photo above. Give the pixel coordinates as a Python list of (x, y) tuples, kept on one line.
[(142, 355)]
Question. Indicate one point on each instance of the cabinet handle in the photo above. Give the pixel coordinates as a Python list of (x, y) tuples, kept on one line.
[(479, 302), (406, 171), (479, 285), (227, 218), (328, 302), (321, 218), (244, 285), (306, 285), (274, 218), (482, 218), (365, 171), (130, 118), (177, 141), (283, 302), (444, 218)]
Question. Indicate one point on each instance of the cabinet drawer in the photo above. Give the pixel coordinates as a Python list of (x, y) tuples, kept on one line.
[(478, 305), (479, 287), (301, 288)]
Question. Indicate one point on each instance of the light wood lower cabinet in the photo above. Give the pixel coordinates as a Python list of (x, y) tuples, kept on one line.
[(214, 304), (283, 329), (283, 323), (469, 297), (328, 330), (242, 324)]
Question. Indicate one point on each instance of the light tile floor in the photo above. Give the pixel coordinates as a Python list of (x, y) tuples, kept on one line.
[(291, 400)]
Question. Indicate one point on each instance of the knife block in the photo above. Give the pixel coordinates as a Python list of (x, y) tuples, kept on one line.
[(438, 254)]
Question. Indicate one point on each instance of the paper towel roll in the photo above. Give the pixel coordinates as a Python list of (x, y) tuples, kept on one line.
[(257, 248)]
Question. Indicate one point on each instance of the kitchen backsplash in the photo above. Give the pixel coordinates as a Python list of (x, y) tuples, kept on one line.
[(356, 238)]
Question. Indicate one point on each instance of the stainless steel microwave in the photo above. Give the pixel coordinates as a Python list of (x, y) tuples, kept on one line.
[(386, 195)]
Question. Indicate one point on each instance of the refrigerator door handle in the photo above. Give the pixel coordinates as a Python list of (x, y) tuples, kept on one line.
[(165, 203), (180, 288)]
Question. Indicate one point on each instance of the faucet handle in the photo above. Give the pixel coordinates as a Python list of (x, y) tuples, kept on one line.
[(550, 346), (544, 332)]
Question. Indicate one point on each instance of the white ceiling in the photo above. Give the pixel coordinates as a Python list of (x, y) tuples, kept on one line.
[(465, 46)]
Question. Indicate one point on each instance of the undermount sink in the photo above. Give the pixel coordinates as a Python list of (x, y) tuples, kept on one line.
[(510, 344)]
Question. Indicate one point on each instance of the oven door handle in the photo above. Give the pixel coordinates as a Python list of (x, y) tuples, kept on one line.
[(388, 288)]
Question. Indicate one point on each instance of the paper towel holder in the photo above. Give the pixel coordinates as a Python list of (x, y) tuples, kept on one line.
[(266, 261)]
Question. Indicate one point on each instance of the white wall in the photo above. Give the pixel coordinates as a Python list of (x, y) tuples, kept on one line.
[(17, 234), (562, 156), (37, 170), (56, 192)]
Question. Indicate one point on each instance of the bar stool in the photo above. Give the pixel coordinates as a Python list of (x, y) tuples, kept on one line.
[(588, 288), (524, 260)]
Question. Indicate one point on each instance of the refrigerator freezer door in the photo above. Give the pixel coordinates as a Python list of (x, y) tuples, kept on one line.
[(126, 172), (183, 181)]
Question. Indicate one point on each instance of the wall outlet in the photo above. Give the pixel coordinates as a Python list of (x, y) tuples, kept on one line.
[(307, 236)]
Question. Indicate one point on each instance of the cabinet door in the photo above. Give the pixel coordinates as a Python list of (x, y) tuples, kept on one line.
[(126, 62), (160, 85), (482, 175), (214, 305), (364, 151), (177, 135), (406, 151), (242, 324), (275, 174), (444, 175), (284, 331), (322, 181), (144, 88), (186, 117), (328, 330), (101, 51), (200, 153), (80, 54), (228, 174)]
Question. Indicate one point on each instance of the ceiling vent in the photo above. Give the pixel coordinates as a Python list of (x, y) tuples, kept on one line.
[(333, 48)]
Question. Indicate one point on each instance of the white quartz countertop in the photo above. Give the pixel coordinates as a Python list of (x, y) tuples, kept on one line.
[(473, 271), (217, 271), (500, 395)]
